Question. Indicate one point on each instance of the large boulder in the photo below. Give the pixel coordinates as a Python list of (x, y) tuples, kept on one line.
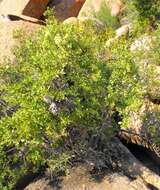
[(7, 29), (92, 6), (66, 8), (71, 20), (133, 176), (31, 8), (82, 182), (144, 128), (106, 11)]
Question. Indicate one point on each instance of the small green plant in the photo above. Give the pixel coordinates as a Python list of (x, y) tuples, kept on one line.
[(104, 15)]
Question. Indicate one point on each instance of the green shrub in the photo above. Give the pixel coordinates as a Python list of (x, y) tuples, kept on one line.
[(87, 82), (148, 57), (59, 53), (125, 88), (148, 9)]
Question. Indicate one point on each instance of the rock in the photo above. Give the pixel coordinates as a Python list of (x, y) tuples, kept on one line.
[(125, 21), (8, 18), (101, 10), (71, 20), (31, 8), (92, 6), (115, 6), (53, 108), (35, 8), (135, 169), (144, 128), (47, 100), (41, 184), (82, 182), (133, 175), (122, 31), (67, 8), (6, 36), (142, 44)]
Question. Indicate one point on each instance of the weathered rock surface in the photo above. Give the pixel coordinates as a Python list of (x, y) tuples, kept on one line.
[(81, 181), (142, 44), (122, 31), (31, 8), (71, 20), (132, 175), (144, 128), (6, 36), (67, 8), (91, 7)]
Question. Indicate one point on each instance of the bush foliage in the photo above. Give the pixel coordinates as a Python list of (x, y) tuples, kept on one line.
[(149, 9), (84, 79)]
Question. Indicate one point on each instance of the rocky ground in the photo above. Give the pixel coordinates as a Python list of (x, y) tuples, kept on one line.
[(114, 169)]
